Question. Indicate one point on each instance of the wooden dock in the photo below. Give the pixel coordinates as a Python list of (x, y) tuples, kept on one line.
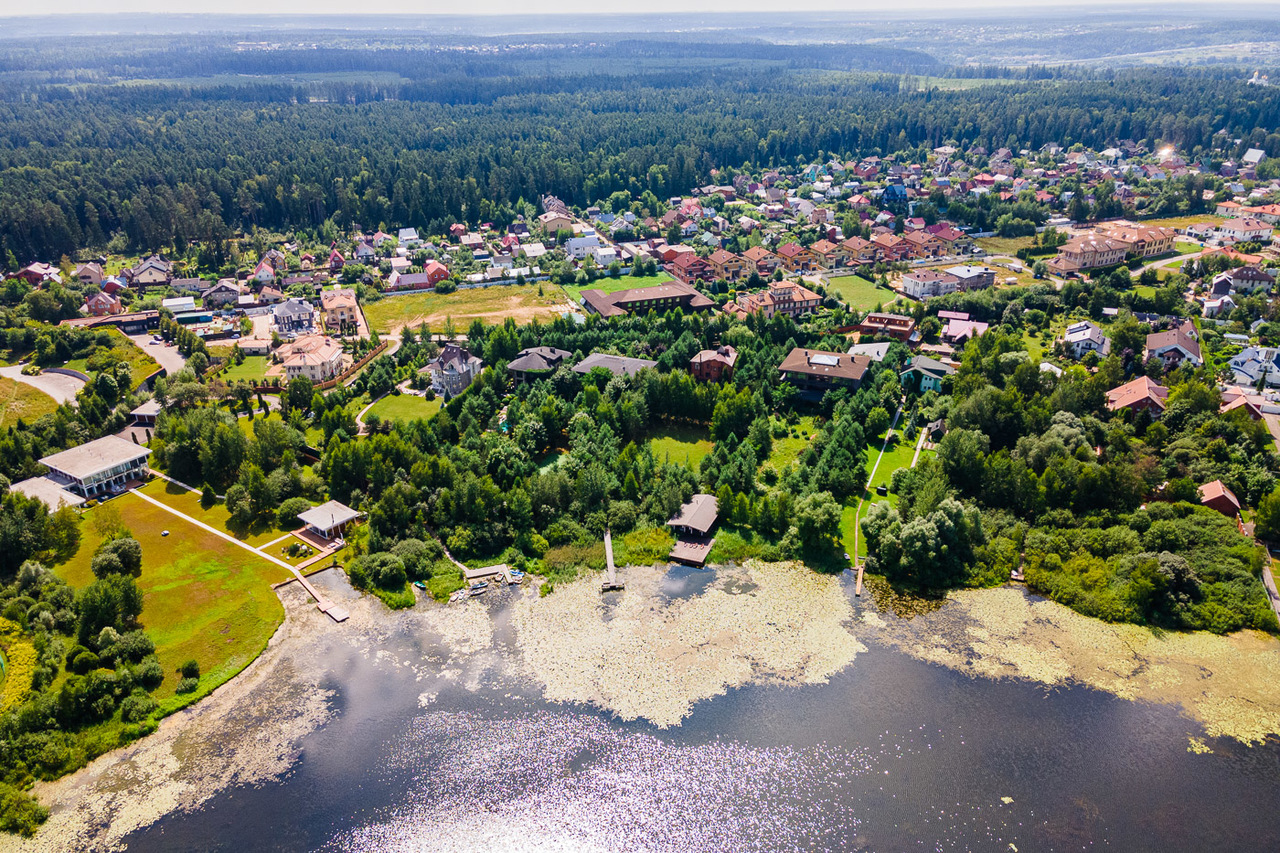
[(611, 582)]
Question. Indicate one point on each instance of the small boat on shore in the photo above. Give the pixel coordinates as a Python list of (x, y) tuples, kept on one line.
[(458, 595), (515, 577), (478, 588), (420, 585)]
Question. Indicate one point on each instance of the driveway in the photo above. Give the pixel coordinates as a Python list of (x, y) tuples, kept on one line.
[(167, 357), (61, 388)]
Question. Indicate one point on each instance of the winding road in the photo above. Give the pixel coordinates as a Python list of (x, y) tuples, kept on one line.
[(60, 387)]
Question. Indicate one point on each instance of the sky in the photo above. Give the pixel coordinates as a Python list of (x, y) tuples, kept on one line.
[(427, 7)]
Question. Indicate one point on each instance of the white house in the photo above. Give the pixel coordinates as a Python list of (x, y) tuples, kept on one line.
[(1216, 307), (926, 283), (1245, 229), (1254, 363), (604, 255), (1085, 337), (579, 247)]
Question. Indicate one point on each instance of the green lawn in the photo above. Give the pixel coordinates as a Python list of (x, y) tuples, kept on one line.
[(898, 455), (685, 445), (1005, 245), (1186, 248), (787, 450), (252, 369), (490, 304), (1183, 221), (405, 407), (204, 598), (20, 400), (859, 293), (613, 285), (313, 434)]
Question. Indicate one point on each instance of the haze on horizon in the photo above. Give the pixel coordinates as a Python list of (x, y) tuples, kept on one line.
[(578, 7)]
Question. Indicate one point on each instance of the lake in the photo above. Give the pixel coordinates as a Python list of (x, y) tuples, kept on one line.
[(890, 753)]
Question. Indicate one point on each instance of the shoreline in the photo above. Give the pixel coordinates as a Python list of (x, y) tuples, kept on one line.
[(696, 645)]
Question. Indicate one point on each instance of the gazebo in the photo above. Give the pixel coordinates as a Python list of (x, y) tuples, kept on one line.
[(329, 519)]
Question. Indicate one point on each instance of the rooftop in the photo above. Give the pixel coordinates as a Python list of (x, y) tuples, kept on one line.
[(698, 514), (618, 365), (95, 456), (328, 515)]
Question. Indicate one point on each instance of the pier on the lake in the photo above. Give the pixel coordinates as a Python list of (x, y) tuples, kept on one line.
[(611, 581)]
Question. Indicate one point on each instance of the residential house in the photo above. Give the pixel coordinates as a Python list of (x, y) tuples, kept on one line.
[(270, 296), (536, 362), (892, 247), (1083, 338), (728, 266), (453, 370), (796, 258), (1244, 230), (1087, 251), (972, 277), (618, 365), (960, 330), (102, 304), (339, 306), (314, 357), (893, 326), (154, 271), (408, 237), (1145, 241), (1222, 305), (927, 283), (102, 466), (293, 316), (1257, 364), (1249, 279), (860, 252), (1217, 496), (925, 374), (553, 222), (1173, 348), (225, 292), (876, 352), (336, 261), (713, 365), (829, 255), (816, 371), (90, 273), (764, 261), (922, 244), (263, 272), (689, 268), (579, 247), (778, 297), (1141, 394)]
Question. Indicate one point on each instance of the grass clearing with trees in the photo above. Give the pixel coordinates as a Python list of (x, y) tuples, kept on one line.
[(859, 293), (204, 599), (681, 444), (122, 350), (404, 407), (613, 285), (252, 369)]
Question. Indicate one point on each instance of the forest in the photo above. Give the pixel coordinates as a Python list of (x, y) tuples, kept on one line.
[(155, 164)]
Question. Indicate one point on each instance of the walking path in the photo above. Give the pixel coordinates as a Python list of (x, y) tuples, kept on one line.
[(336, 613), (857, 587), (1269, 581)]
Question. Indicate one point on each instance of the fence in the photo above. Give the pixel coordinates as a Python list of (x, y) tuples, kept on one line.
[(277, 388)]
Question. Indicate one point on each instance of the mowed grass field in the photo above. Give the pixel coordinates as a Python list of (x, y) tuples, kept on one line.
[(613, 285), (897, 455), (490, 304), (19, 400), (203, 598), (252, 369), (1183, 221), (787, 450), (682, 445), (405, 407), (859, 293)]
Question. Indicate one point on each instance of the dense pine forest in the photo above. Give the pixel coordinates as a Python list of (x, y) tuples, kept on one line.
[(155, 148)]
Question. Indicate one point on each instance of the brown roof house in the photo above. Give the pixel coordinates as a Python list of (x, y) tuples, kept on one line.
[(891, 325), (1141, 394), (815, 371), (660, 297), (693, 525), (712, 365), (536, 362), (1217, 496), (1173, 348)]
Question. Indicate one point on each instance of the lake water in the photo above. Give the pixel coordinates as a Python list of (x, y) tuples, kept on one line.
[(892, 754)]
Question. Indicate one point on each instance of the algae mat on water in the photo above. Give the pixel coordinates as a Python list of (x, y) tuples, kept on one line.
[(1230, 685)]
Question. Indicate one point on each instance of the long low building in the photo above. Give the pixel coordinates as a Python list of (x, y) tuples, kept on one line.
[(618, 365), (659, 297), (99, 467)]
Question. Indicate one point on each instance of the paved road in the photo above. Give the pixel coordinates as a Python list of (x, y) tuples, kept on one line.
[(61, 388), (167, 357)]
